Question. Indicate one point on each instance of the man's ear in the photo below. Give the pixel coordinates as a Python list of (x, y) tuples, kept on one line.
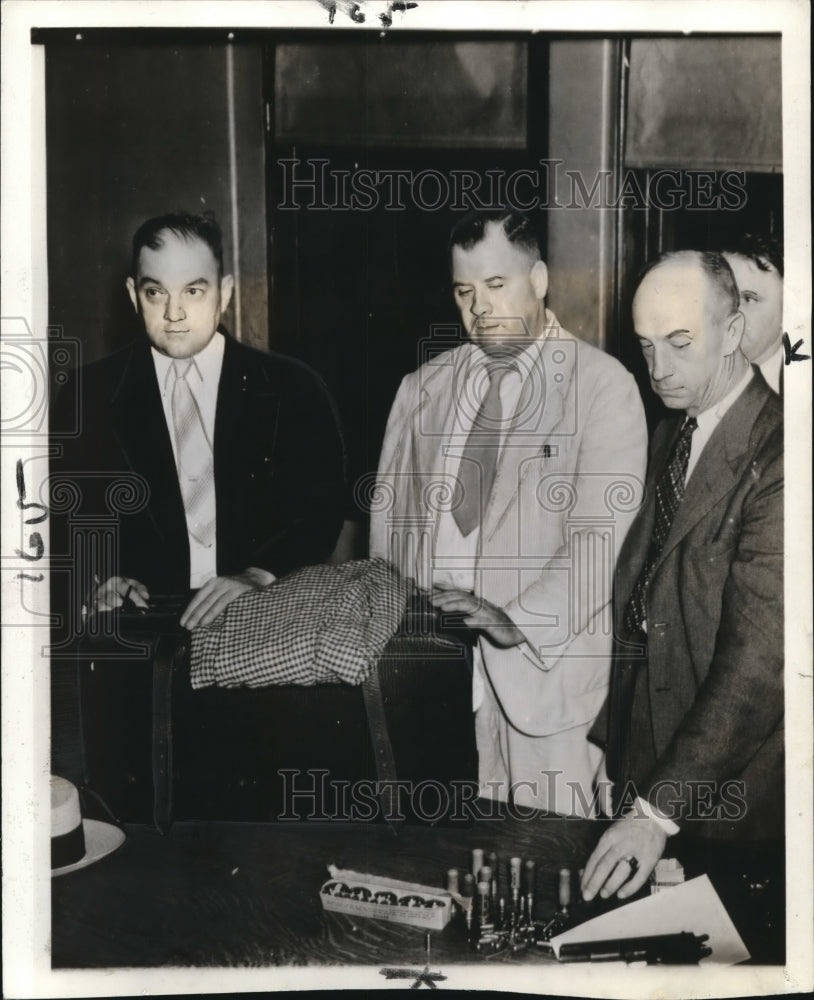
[(734, 333), (131, 291), (539, 279), (227, 286)]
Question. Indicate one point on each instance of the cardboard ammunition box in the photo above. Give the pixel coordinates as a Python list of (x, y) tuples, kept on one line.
[(364, 895)]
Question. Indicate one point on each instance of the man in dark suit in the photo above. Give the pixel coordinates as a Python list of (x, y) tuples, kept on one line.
[(694, 736), (230, 461), (757, 263)]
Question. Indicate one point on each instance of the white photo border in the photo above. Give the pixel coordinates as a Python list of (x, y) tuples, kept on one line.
[(26, 882)]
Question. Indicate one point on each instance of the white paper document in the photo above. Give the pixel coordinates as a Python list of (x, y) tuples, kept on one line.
[(694, 906)]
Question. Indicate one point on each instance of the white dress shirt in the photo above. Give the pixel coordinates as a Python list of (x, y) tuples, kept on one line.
[(455, 554), (771, 368), (203, 379), (449, 540)]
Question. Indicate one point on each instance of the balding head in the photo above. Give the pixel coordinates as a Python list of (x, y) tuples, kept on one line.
[(685, 314), (722, 284)]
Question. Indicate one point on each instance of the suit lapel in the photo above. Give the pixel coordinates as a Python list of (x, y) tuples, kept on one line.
[(243, 392), (440, 396), (230, 415), (433, 423), (719, 467), (542, 406), (637, 544), (141, 429)]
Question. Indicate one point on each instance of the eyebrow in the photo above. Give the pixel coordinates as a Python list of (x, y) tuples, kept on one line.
[(673, 333), (494, 277), (147, 280)]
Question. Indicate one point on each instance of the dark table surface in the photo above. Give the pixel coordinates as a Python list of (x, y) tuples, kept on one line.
[(240, 894), (247, 894)]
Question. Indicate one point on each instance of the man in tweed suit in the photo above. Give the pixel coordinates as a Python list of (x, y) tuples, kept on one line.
[(511, 467), (694, 723)]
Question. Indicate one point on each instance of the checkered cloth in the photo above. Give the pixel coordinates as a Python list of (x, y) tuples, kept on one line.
[(318, 625)]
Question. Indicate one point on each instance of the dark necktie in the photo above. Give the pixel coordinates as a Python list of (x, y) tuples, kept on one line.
[(669, 493), (476, 473)]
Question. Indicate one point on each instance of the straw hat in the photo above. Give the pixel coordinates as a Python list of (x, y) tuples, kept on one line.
[(76, 842)]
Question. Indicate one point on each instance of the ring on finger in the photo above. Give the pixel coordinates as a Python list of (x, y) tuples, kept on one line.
[(632, 862)]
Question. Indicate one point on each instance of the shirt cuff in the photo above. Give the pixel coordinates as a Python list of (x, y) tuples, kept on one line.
[(643, 808)]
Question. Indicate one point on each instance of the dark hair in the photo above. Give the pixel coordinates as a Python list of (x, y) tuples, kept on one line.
[(763, 250), (184, 224), (471, 229), (713, 264)]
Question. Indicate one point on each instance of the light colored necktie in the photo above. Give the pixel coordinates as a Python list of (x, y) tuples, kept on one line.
[(476, 473), (196, 469)]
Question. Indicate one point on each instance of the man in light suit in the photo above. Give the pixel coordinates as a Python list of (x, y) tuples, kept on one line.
[(510, 472), (233, 457), (694, 722)]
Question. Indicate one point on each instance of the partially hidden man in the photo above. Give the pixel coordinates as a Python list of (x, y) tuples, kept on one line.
[(757, 263), (511, 469), (694, 727), (234, 456)]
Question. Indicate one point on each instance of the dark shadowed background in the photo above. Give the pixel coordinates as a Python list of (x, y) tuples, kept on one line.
[(140, 123)]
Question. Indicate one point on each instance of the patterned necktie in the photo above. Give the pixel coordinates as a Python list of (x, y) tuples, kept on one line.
[(669, 493), (196, 470), (476, 473)]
